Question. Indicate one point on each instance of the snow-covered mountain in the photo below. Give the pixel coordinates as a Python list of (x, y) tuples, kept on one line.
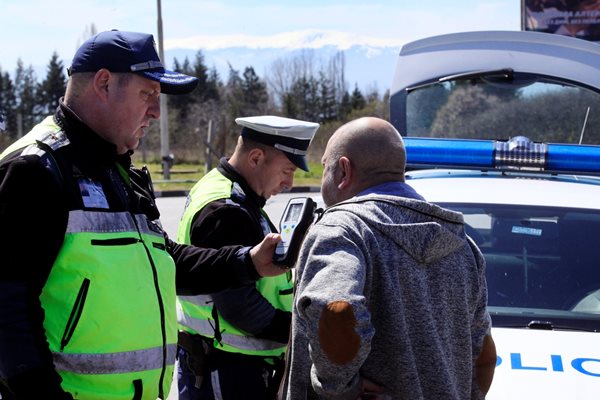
[(370, 66)]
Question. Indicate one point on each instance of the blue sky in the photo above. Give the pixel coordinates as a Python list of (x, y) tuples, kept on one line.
[(33, 29)]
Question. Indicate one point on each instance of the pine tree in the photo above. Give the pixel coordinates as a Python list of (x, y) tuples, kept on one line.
[(201, 72), (327, 99), (181, 105), (25, 88), (345, 107), (213, 85), (254, 92), (52, 88), (305, 99), (234, 94), (358, 100), (8, 104)]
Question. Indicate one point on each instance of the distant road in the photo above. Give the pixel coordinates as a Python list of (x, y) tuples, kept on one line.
[(171, 208)]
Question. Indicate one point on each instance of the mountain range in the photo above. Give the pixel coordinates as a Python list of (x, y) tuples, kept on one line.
[(368, 67)]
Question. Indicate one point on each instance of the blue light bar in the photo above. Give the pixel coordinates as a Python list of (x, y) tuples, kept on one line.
[(572, 157), (518, 153), (449, 152)]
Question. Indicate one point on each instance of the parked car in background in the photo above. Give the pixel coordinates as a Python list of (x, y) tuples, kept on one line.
[(505, 128)]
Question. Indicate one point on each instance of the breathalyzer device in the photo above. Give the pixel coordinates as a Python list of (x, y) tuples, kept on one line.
[(297, 217)]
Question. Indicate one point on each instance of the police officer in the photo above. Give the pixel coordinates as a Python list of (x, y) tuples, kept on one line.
[(87, 283), (240, 333)]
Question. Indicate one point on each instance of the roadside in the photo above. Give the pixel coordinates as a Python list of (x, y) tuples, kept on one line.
[(182, 178), (184, 192)]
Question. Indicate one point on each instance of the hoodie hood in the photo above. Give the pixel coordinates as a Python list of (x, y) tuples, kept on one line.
[(425, 231)]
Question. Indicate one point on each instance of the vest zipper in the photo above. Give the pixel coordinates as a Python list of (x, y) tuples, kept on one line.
[(161, 308), (76, 312), (125, 185), (163, 330)]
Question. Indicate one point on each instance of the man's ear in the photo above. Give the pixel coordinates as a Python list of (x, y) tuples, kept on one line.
[(101, 81), (346, 172), (255, 157)]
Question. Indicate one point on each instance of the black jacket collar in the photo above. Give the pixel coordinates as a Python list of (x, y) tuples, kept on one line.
[(92, 149), (231, 173)]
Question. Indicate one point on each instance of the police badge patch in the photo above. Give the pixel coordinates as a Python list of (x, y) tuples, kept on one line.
[(92, 194)]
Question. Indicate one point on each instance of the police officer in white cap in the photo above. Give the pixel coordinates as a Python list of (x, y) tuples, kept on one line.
[(232, 344)]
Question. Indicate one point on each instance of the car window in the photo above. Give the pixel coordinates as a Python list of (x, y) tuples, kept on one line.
[(543, 258), (501, 107)]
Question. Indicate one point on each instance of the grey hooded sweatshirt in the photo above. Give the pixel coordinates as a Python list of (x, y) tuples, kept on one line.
[(389, 289)]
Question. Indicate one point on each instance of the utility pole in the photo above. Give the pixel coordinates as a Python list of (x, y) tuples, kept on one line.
[(207, 154), (167, 159)]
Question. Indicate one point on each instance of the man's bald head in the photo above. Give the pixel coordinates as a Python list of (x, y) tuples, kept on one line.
[(374, 150)]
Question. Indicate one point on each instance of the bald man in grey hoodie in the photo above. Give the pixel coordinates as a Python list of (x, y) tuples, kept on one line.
[(391, 294)]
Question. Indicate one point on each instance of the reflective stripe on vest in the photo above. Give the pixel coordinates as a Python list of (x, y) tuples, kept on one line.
[(250, 344), (132, 361), (195, 313), (113, 222), (109, 300)]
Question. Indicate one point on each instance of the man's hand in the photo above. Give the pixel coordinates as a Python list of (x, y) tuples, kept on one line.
[(262, 256), (371, 391)]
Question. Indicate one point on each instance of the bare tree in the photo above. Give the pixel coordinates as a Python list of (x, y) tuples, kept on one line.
[(285, 72), (336, 75)]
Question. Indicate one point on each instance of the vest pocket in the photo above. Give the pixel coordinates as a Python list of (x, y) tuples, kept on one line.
[(159, 246), (115, 242), (76, 312), (138, 388)]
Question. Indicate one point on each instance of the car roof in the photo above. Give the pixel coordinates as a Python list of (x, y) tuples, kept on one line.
[(481, 187), (560, 174), (524, 51)]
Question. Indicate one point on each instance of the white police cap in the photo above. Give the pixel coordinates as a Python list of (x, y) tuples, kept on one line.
[(292, 136)]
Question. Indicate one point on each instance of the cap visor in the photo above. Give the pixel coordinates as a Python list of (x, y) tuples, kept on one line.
[(299, 161), (172, 82)]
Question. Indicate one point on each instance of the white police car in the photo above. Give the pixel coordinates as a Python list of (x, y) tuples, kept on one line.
[(505, 127)]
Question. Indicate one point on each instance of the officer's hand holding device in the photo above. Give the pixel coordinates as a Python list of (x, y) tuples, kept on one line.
[(297, 217)]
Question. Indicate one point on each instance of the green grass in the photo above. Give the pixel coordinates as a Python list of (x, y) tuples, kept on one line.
[(183, 176)]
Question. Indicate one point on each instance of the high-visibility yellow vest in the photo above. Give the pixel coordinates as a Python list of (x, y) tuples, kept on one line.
[(109, 300), (196, 314)]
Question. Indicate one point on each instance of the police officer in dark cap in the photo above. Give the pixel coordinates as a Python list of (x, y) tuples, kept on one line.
[(89, 278)]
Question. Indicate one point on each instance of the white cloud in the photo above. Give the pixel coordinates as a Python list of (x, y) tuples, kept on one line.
[(308, 38)]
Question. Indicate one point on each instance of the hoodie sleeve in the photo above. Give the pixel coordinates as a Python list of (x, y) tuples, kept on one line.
[(333, 311), (481, 324)]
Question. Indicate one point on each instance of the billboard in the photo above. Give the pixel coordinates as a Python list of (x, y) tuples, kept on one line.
[(577, 18)]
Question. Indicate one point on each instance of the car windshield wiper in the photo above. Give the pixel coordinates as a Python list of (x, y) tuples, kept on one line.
[(502, 74), (494, 74), (548, 326), (541, 325)]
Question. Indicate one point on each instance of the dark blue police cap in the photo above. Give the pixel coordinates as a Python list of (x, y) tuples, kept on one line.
[(291, 136), (120, 51)]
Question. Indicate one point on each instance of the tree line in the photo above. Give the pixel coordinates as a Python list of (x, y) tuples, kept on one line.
[(300, 86)]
